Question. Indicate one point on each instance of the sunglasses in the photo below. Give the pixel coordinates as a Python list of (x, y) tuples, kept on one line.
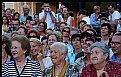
[(66, 31)]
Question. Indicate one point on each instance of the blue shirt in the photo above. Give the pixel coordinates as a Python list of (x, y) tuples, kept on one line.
[(23, 18), (118, 27), (92, 20), (113, 58)]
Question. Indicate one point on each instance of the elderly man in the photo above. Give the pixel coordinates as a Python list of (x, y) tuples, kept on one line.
[(26, 13), (116, 47)]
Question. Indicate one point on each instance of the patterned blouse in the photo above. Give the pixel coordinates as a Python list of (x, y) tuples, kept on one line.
[(112, 68), (71, 71), (31, 69)]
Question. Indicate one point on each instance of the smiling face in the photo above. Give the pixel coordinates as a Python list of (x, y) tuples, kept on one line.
[(51, 39), (97, 56), (17, 50), (56, 55), (35, 48)]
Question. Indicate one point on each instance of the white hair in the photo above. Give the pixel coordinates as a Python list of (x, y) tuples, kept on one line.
[(63, 47)]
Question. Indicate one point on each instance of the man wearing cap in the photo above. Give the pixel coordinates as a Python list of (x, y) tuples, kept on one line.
[(47, 16), (26, 13)]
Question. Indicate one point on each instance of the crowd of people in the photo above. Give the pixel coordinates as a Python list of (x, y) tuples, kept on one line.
[(50, 44)]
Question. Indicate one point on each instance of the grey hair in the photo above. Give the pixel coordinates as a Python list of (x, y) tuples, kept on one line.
[(105, 48), (26, 6), (75, 29), (63, 47)]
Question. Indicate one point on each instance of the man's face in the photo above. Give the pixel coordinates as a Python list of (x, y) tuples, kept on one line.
[(111, 9), (116, 44), (26, 10)]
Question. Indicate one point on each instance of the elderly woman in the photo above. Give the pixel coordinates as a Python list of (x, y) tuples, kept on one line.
[(61, 67), (101, 66), (20, 65)]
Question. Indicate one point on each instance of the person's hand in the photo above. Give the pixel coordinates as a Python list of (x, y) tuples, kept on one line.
[(104, 74)]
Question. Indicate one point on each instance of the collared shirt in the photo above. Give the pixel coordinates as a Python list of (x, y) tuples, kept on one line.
[(23, 18), (48, 20), (112, 69), (31, 69), (92, 20), (113, 58)]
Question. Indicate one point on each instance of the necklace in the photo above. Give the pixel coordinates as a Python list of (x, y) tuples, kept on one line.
[(21, 66)]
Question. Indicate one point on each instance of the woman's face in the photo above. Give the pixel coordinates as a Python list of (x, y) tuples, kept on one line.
[(41, 26), (21, 31), (16, 16), (66, 32), (97, 56), (56, 55), (61, 27), (36, 18), (4, 20), (51, 39), (76, 43), (35, 48), (17, 50)]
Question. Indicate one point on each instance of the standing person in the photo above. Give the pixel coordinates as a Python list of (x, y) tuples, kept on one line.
[(26, 13), (116, 47), (47, 16), (20, 65), (114, 14), (100, 65)]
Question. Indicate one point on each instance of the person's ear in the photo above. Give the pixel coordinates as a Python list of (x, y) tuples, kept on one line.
[(106, 56)]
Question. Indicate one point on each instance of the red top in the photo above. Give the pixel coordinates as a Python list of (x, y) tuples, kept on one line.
[(112, 68)]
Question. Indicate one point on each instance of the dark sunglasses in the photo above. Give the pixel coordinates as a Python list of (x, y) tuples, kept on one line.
[(66, 31)]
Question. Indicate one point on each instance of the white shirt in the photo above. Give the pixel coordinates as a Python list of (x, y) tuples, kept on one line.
[(87, 19), (115, 15), (48, 19)]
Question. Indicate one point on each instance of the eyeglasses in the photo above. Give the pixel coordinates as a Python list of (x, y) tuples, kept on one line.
[(115, 43), (66, 31)]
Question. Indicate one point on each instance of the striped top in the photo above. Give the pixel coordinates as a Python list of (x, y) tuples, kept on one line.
[(31, 69)]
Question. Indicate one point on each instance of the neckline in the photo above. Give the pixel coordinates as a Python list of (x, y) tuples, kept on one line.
[(22, 69)]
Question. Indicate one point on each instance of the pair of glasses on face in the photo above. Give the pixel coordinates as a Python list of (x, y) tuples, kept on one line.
[(66, 31), (116, 43)]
